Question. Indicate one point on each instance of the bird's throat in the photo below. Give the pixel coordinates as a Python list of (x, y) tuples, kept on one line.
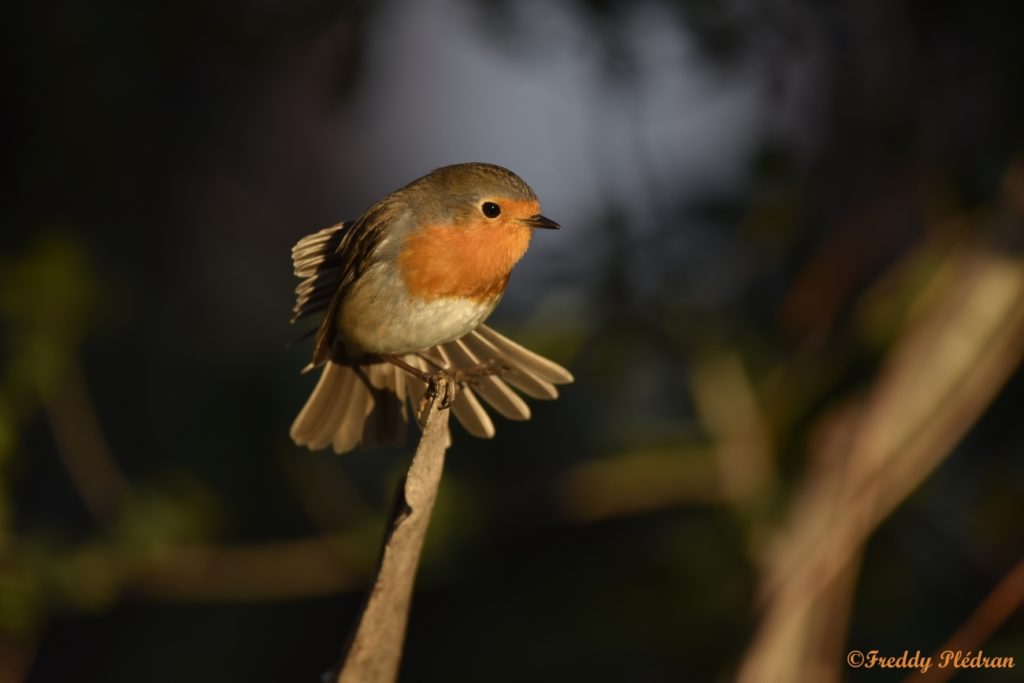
[(467, 262)]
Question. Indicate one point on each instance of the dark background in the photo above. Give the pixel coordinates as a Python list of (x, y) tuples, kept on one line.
[(750, 194)]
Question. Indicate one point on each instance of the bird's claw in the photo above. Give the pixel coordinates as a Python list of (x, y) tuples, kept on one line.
[(439, 385), (445, 386), (488, 368), (446, 383)]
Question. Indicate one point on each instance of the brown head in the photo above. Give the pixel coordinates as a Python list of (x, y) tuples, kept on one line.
[(471, 224)]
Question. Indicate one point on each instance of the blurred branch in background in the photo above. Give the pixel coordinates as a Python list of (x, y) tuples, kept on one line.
[(869, 455), (16, 656), (949, 316), (735, 468), (83, 448), (283, 570), (147, 540), (638, 482), (728, 406)]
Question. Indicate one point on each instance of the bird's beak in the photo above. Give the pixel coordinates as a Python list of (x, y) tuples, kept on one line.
[(539, 221)]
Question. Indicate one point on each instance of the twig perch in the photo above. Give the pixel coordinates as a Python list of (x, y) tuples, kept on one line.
[(374, 653)]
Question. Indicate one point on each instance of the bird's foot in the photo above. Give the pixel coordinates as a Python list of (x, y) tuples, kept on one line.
[(460, 376), (488, 368), (446, 382), (440, 382), (400, 362)]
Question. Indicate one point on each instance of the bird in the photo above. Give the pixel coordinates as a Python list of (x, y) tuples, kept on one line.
[(402, 293)]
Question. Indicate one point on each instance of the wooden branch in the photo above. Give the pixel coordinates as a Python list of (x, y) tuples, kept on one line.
[(375, 651)]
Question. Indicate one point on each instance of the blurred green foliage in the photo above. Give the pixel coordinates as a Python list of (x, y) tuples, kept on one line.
[(49, 299), (52, 298)]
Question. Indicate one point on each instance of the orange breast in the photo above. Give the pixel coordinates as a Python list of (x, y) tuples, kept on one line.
[(472, 261)]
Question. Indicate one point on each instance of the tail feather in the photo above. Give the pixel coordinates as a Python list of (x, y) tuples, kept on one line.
[(517, 377), (438, 356), (336, 419), (311, 419), (356, 405), (528, 361), (467, 410), (531, 386), (386, 423), (368, 405), (492, 389), (335, 411)]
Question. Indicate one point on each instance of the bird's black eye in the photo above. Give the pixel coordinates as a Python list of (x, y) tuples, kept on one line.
[(490, 209)]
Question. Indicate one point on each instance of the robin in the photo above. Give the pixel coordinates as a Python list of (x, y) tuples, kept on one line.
[(403, 292)]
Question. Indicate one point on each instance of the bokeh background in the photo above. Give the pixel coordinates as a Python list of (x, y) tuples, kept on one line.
[(790, 284)]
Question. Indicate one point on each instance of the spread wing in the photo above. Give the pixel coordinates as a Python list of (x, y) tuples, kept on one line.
[(315, 260), (328, 262)]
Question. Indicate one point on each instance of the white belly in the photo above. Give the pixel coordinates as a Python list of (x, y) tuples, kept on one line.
[(373, 320)]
